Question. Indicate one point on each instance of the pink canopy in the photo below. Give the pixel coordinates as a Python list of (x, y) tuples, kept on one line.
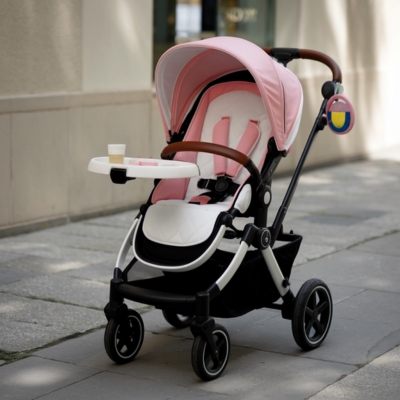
[(184, 70)]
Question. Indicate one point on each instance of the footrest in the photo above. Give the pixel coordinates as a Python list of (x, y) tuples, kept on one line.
[(155, 297)]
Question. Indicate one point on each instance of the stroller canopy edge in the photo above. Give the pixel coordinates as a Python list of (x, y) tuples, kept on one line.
[(184, 69)]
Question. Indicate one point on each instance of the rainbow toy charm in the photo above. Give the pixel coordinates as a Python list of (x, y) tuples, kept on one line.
[(340, 114)]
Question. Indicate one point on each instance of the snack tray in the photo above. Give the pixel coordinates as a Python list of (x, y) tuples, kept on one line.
[(146, 168)]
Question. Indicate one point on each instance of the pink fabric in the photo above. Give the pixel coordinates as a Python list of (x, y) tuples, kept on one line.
[(220, 136), (200, 199), (186, 68), (169, 189), (245, 146)]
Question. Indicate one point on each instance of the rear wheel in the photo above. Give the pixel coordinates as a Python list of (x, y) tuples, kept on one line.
[(123, 337), (312, 314), (204, 366), (177, 320)]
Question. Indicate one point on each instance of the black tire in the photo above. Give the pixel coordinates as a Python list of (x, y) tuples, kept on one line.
[(312, 314), (123, 338), (202, 363), (177, 320)]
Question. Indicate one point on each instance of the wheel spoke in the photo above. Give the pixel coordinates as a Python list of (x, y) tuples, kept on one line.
[(120, 345), (220, 343), (318, 327), (313, 301), (322, 307), (309, 311), (309, 326)]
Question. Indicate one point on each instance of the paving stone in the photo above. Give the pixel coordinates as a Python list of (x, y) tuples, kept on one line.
[(354, 268), (62, 289), (372, 306), (120, 220), (249, 372), (35, 265), (6, 256), (81, 292), (103, 272), (9, 275), (348, 342), (89, 349), (34, 377), (47, 249), (105, 384), (377, 380), (26, 323), (387, 245)]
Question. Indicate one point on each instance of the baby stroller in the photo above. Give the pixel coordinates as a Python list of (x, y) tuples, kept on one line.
[(231, 113)]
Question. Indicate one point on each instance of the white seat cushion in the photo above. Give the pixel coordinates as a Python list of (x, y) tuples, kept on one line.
[(177, 223)]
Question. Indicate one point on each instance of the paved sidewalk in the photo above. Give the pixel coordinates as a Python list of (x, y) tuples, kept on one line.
[(54, 284)]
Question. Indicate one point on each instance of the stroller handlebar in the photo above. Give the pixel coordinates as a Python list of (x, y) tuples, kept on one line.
[(212, 148), (286, 55)]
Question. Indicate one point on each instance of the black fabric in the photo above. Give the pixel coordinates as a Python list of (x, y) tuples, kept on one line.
[(169, 255), (250, 288), (243, 76), (219, 189)]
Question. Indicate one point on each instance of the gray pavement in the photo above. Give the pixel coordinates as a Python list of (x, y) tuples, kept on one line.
[(54, 284)]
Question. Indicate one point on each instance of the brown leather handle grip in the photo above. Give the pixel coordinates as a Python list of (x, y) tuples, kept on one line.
[(307, 55), (205, 147)]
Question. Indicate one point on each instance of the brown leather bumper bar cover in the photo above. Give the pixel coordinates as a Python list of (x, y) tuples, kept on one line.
[(316, 56), (205, 147)]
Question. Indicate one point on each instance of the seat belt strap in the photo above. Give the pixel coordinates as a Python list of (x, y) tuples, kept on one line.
[(220, 136), (247, 142)]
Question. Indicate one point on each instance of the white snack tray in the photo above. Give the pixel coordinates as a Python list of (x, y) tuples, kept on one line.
[(146, 168)]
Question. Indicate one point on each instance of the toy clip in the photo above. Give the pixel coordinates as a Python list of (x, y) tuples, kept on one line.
[(340, 114)]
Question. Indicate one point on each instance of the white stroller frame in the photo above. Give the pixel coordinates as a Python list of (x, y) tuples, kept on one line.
[(310, 311)]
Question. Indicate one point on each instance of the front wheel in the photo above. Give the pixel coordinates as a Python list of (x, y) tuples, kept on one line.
[(203, 364), (312, 314), (123, 337)]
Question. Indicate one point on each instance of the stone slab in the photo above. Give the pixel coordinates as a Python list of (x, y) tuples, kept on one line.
[(103, 271), (354, 268), (47, 249), (348, 342), (36, 265), (79, 292), (34, 377), (26, 324), (249, 373), (64, 289), (377, 380), (387, 245), (105, 385), (9, 275), (372, 306)]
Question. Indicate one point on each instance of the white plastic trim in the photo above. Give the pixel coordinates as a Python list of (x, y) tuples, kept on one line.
[(176, 223), (186, 267), (296, 126), (146, 168), (126, 245), (274, 270), (233, 266), (244, 199)]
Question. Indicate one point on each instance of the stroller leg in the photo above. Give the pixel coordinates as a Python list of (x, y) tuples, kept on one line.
[(211, 346), (281, 283)]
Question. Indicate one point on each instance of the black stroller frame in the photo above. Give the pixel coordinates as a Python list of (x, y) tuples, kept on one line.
[(310, 311)]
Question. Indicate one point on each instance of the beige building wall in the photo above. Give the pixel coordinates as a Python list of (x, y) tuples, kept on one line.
[(362, 36), (75, 75)]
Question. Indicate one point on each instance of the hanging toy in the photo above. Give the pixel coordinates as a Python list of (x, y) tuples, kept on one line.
[(340, 114)]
